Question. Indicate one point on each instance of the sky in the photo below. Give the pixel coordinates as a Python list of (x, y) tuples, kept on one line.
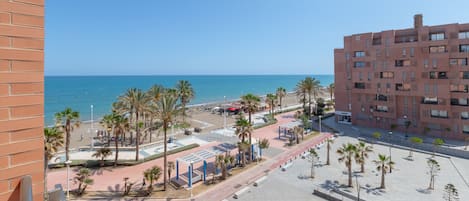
[(214, 37)]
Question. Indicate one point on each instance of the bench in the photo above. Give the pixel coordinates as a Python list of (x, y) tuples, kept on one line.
[(240, 192), (260, 180)]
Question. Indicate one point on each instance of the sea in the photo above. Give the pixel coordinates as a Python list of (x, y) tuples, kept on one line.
[(80, 92)]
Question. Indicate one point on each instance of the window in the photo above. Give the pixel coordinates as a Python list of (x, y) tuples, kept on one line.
[(381, 108), (400, 63), (378, 85), (412, 52), (347, 56), (462, 88), (386, 75), (425, 63), (437, 49), (360, 75), (465, 128), (402, 87), (412, 75), (404, 52), (463, 48), (357, 37), (430, 100), (437, 36), (434, 63), (380, 97), (359, 54), (464, 74), (464, 35), (460, 101), (369, 76), (359, 64), (458, 61), (359, 85), (464, 115), (439, 113)]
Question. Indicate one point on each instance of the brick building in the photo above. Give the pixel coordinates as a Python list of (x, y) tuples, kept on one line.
[(21, 99), (417, 77)]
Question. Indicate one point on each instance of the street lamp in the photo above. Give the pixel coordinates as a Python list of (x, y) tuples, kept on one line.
[(358, 187), (224, 113), (68, 178), (390, 145), (91, 129), (190, 173), (406, 124), (320, 129)]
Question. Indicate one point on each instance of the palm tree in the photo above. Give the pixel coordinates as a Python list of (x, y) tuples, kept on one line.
[(185, 93), (301, 93), (281, 93), (362, 154), (243, 130), (250, 103), (243, 147), (437, 143), (154, 93), (433, 169), (383, 164), (171, 167), (67, 120), (102, 153), (312, 86), (270, 99), (331, 89), (167, 110), (414, 141), (223, 162), (53, 140), (329, 145), (83, 179), (152, 174), (346, 152), (107, 123), (139, 103), (120, 125)]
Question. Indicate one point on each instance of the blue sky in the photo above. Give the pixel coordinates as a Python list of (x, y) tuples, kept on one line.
[(156, 37)]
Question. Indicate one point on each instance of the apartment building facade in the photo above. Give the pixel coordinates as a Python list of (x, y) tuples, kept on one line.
[(21, 100), (416, 79)]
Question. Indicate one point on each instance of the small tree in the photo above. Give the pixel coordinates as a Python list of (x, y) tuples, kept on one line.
[(433, 169), (451, 193), (376, 136), (414, 141), (437, 143), (383, 164), (102, 153), (152, 174), (223, 162), (329, 145), (127, 186), (313, 157), (83, 179), (346, 152), (264, 144)]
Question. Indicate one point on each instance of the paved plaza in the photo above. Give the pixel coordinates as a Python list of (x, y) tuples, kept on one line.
[(408, 181)]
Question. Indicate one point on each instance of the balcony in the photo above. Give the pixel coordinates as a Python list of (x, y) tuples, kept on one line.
[(403, 87), (459, 88), (406, 39), (376, 41), (381, 98), (459, 102), (430, 101), (438, 75), (359, 85)]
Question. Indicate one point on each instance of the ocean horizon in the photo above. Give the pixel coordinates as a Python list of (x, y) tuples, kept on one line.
[(80, 92)]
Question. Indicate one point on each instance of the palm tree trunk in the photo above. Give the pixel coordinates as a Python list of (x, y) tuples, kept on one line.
[(383, 171), (350, 173), (309, 107), (362, 163), (117, 149), (280, 103), (138, 136), (431, 181), (183, 111), (328, 150), (165, 127), (67, 141)]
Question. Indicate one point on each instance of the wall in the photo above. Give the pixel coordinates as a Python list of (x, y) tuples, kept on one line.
[(21, 96)]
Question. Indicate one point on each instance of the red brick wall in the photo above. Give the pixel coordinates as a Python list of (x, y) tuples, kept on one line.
[(21, 96)]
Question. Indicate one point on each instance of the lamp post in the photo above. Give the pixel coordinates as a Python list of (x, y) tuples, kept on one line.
[(390, 145), (358, 187), (68, 178), (224, 113), (320, 129), (406, 124), (91, 128), (191, 177)]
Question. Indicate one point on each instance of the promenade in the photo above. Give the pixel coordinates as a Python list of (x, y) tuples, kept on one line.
[(111, 179)]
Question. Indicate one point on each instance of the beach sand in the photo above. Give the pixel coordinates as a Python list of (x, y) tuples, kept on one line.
[(197, 115)]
